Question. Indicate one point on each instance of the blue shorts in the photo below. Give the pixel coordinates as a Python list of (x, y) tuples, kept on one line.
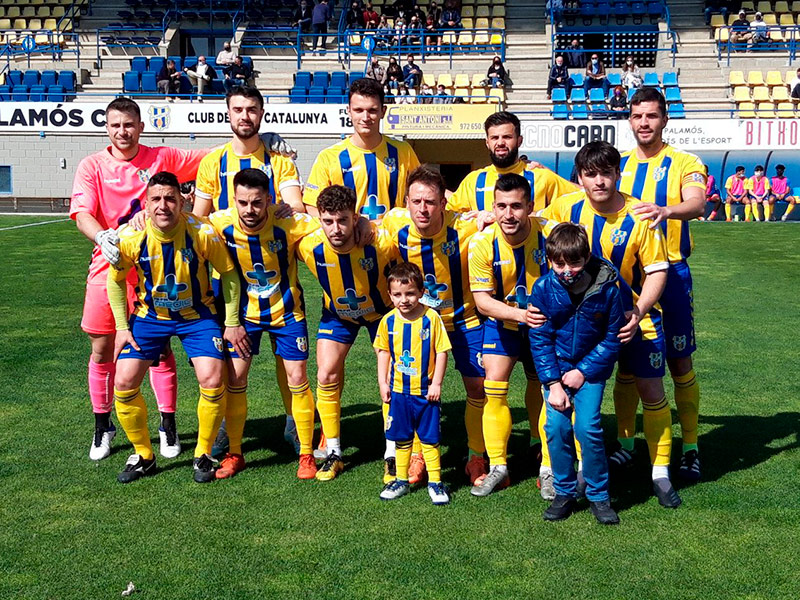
[(290, 341), (409, 414), (643, 358), (677, 306), (507, 342), (333, 328), (467, 350), (201, 337)]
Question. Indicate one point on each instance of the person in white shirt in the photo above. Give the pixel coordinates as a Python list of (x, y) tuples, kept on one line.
[(759, 29), (202, 74), (226, 56)]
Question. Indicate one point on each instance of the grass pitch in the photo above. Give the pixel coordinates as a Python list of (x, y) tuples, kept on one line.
[(69, 530)]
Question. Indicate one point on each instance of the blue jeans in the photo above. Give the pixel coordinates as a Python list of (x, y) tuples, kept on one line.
[(560, 441)]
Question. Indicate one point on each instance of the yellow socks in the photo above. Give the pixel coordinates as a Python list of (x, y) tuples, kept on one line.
[(235, 416), (385, 412), (283, 384), (303, 413), (132, 415), (545, 450), (402, 459), (687, 400), (767, 211), (626, 401), (432, 462), (658, 432), (728, 211), (473, 419), (748, 210), (416, 446), (496, 421), (329, 408), (210, 410), (788, 211)]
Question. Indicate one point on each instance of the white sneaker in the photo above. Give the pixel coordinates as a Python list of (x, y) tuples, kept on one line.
[(438, 494), (547, 484), (321, 453), (169, 446), (101, 444), (394, 489)]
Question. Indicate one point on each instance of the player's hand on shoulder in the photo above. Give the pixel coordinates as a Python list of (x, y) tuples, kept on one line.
[(651, 211), (108, 240), (484, 219), (283, 210), (275, 143), (138, 220), (365, 233)]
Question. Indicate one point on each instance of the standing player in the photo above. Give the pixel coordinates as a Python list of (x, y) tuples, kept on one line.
[(735, 193), (757, 188), (782, 190), (503, 140), (712, 195), (437, 241), (171, 257), (639, 254), (672, 186), (504, 261), (372, 164), (262, 247), (355, 296)]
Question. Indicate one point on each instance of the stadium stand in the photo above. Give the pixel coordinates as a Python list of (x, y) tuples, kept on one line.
[(763, 95)]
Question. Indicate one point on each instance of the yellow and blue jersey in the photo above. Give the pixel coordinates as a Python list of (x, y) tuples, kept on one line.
[(267, 265), (218, 168), (413, 346), (507, 271), (660, 180), (172, 267), (476, 191), (443, 260), (378, 176), (623, 239), (353, 283)]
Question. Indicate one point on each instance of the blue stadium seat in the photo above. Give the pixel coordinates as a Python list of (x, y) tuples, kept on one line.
[(19, 93), (31, 77), (676, 111), (156, 63), (49, 78), (178, 62), (149, 82), (356, 75), (298, 95), (631, 92), (579, 111), (302, 79), (621, 12), (597, 96), (247, 61), (55, 93), (338, 79), (670, 79), (654, 9), (576, 79), (38, 93), (560, 111), (15, 78), (321, 79), (66, 79), (559, 95), (638, 10), (614, 79), (334, 95), (139, 64), (577, 95), (650, 79), (316, 95), (5, 93), (130, 81), (673, 94)]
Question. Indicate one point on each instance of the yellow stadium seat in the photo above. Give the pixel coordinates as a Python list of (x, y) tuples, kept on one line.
[(776, 36), (786, 20), (478, 79), (790, 75), (755, 78), (6, 24), (761, 94), (498, 23), (467, 2), (780, 94), (796, 6), (50, 24), (12, 12), (467, 11), (741, 94), (497, 95), (785, 110), (37, 2), (482, 23), (781, 7), (478, 95), (429, 79), (717, 20), (462, 93), (355, 39), (498, 11), (763, 6), (481, 39), (770, 19), (2, 11), (67, 25), (731, 18), (497, 39), (20, 23), (58, 12), (774, 78), (462, 80), (42, 39), (29, 11), (747, 5), (482, 11), (35, 24), (479, 2), (465, 38), (449, 37), (468, 23), (736, 78), (747, 110), (722, 35), (445, 79), (766, 110)]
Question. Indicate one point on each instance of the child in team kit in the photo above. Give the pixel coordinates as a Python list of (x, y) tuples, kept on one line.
[(412, 346), (574, 353)]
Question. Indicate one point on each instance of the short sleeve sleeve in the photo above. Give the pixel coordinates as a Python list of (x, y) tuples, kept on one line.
[(381, 341), (652, 249), (441, 339), (184, 163), (318, 180), (286, 173), (85, 197), (207, 183), (299, 225), (214, 248), (481, 275), (693, 172), (460, 200)]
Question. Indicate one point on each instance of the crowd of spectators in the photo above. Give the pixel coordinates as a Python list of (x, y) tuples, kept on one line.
[(235, 72)]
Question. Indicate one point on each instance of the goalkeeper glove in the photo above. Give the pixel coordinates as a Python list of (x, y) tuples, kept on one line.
[(275, 143), (108, 241)]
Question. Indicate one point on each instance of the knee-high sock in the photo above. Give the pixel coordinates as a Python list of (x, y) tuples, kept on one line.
[(533, 403), (767, 211), (403, 458), (496, 421), (235, 416), (416, 446), (626, 401), (132, 415), (658, 431), (283, 385), (728, 211), (390, 451), (543, 436), (432, 462), (473, 419), (789, 210), (303, 413), (210, 410), (687, 400), (747, 211), (164, 381), (330, 408), (101, 385)]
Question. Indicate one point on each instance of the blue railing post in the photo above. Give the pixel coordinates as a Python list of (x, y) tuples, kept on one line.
[(299, 48)]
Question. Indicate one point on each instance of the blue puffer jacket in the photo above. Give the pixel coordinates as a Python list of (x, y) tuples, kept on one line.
[(582, 337)]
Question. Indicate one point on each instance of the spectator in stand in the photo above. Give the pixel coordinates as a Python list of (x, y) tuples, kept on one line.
[(414, 30), (631, 77), (712, 195), (451, 18), (559, 77), (412, 74), (595, 75), (619, 103), (169, 80), (418, 12), (435, 11), (237, 74), (302, 17), (496, 75), (575, 56), (794, 86), (758, 189), (371, 18), (376, 71), (399, 30), (716, 6), (200, 76), (320, 16), (393, 73), (425, 95), (557, 8), (226, 56), (740, 29), (384, 33), (735, 192), (354, 19), (403, 95), (782, 191), (432, 38), (399, 8), (760, 31), (442, 97)]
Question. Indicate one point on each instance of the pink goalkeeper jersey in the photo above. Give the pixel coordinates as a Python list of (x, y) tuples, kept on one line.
[(113, 190), (780, 185)]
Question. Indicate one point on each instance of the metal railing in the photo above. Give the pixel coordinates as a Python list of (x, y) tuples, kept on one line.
[(786, 41), (688, 113), (556, 14), (39, 42), (125, 37)]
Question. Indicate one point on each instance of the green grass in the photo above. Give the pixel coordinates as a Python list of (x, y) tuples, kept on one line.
[(69, 530)]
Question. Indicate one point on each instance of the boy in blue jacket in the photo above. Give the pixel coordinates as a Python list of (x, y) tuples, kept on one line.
[(574, 353)]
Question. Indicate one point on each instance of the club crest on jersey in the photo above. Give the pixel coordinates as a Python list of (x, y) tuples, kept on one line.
[(618, 237), (679, 342), (539, 256), (159, 117), (479, 356), (275, 246), (659, 173), (656, 360), (187, 255), (144, 175), (217, 343), (449, 248), (390, 164), (366, 263), (267, 168), (302, 343), (424, 334)]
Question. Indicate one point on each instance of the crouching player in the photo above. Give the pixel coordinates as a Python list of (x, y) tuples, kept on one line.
[(171, 256), (412, 346), (574, 353)]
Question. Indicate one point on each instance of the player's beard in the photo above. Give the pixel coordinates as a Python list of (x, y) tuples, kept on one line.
[(505, 161), (246, 134)]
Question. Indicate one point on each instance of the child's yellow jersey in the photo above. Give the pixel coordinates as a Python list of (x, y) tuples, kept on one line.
[(267, 264), (413, 346), (443, 260), (623, 239), (172, 267), (508, 272)]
